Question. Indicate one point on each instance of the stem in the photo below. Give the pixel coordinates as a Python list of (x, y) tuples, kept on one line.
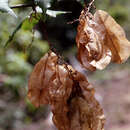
[(43, 27), (71, 22), (90, 5), (22, 6)]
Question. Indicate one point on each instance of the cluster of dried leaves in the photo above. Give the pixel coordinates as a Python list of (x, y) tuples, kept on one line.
[(100, 40), (68, 92)]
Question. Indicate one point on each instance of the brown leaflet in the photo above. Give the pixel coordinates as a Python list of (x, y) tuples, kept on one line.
[(49, 74), (40, 77), (99, 40), (104, 61), (85, 111), (68, 92), (59, 98), (83, 55), (51, 85), (91, 47), (115, 37), (34, 83)]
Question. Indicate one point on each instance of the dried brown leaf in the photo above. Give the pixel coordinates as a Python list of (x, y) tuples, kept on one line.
[(40, 78), (115, 37), (85, 111), (68, 92), (99, 40)]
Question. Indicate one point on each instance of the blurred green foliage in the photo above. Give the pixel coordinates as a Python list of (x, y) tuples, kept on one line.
[(119, 9), (28, 45)]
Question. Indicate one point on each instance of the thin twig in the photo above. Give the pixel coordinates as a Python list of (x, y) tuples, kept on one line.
[(71, 22), (87, 9), (90, 5), (43, 27), (22, 6)]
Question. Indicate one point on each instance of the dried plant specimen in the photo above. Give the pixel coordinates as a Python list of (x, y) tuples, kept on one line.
[(100, 40), (85, 112), (68, 92)]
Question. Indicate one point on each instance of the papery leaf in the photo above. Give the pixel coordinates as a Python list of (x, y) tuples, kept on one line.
[(116, 38), (68, 92), (4, 7), (83, 105), (46, 73), (90, 43), (100, 40)]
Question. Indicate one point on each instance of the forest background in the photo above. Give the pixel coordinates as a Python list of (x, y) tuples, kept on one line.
[(30, 43)]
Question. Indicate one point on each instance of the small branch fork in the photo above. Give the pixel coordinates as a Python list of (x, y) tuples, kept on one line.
[(90, 5), (86, 9)]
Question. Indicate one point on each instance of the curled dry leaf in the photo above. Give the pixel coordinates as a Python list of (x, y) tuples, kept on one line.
[(100, 40), (68, 92)]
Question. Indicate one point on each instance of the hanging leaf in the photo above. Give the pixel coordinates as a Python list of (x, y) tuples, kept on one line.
[(46, 73), (100, 40), (68, 92), (4, 7), (115, 36)]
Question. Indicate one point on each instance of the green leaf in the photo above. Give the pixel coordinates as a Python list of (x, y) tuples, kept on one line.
[(26, 24), (14, 32), (4, 7), (29, 23), (53, 13)]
